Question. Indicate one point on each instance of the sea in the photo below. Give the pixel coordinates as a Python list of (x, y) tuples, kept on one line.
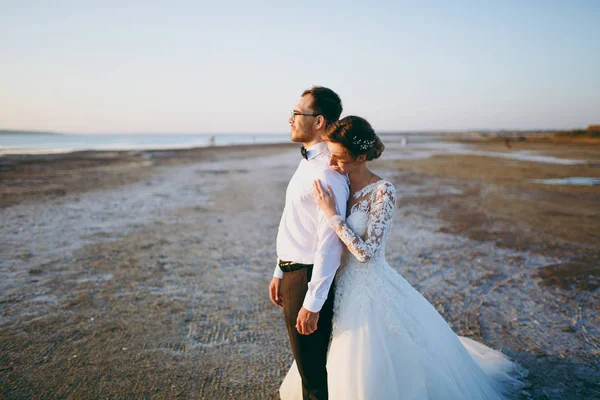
[(46, 143)]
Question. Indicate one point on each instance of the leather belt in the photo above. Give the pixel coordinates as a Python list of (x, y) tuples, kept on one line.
[(290, 266)]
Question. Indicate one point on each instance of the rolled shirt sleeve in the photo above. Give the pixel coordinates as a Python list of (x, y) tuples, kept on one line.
[(329, 247)]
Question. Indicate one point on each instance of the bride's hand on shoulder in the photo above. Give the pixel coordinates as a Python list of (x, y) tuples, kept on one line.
[(324, 198)]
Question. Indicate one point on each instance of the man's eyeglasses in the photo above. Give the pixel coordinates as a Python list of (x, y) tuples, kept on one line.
[(294, 113)]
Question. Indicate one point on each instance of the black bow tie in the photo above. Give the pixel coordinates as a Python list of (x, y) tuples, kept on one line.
[(303, 152)]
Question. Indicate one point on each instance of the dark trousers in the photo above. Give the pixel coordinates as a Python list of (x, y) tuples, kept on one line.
[(310, 351)]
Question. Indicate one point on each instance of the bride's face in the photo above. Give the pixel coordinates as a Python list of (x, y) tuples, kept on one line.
[(340, 159)]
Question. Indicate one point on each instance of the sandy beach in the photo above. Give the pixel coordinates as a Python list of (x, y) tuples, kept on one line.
[(145, 274)]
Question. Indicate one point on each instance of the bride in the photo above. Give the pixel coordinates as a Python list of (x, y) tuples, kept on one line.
[(388, 341)]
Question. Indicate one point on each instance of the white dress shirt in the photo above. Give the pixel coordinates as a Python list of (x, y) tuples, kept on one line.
[(304, 234)]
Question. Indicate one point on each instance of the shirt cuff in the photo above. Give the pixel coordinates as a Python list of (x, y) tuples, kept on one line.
[(335, 222), (278, 273), (312, 304)]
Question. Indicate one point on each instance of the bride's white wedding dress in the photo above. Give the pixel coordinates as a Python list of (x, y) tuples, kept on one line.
[(388, 341)]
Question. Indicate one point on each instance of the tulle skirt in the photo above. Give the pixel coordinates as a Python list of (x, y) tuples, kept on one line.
[(389, 342)]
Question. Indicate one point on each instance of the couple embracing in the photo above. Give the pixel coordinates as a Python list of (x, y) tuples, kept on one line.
[(357, 329)]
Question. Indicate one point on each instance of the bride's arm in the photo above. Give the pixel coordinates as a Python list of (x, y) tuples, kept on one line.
[(383, 205)]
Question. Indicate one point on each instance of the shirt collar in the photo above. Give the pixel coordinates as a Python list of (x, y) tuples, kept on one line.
[(316, 149)]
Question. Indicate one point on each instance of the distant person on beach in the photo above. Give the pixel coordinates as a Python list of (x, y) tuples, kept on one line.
[(308, 250), (388, 341)]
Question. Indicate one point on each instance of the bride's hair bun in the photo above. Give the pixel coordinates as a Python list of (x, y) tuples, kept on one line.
[(357, 136)]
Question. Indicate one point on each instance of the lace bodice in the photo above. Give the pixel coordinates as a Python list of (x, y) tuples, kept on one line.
[(364, 277), (367, 226)]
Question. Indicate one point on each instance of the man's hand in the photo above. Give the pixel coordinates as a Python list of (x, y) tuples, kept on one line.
[(275, 292), (306, 323)]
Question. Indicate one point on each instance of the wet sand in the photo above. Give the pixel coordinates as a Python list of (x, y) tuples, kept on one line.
[(146, 276)]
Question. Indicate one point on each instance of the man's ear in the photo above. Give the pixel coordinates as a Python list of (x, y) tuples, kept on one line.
[(320, 122)]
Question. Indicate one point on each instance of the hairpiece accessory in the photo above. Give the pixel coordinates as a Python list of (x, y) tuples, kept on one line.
[(363, 144)]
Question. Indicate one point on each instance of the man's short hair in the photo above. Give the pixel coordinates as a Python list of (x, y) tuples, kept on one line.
[(325, 102)]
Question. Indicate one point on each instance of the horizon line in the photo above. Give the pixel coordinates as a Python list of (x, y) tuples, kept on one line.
[(387, 131)]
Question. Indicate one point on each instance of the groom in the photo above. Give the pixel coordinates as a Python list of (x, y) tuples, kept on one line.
[(308, 250)]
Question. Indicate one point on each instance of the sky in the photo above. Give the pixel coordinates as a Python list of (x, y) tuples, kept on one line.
[(107, 66)]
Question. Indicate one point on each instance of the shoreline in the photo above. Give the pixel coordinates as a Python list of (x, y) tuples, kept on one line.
[(195, 149), (40, 151)]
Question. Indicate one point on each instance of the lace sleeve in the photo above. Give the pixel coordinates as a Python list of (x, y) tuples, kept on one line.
[(383, 205)]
